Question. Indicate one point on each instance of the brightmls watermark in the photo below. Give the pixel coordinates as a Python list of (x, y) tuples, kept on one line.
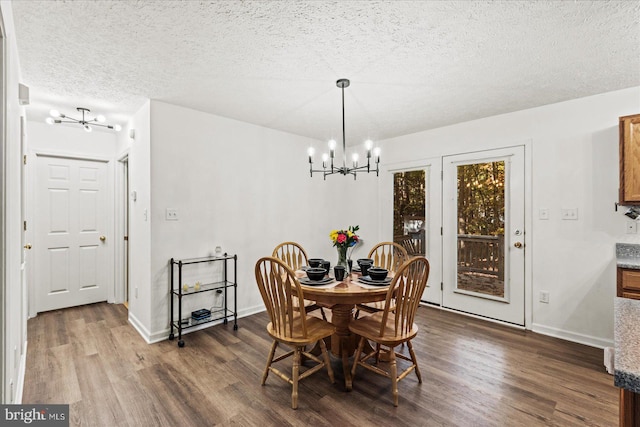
[(35, 415)]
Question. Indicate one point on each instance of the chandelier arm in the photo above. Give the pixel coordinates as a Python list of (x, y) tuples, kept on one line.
[(84, 121), (104, 126)]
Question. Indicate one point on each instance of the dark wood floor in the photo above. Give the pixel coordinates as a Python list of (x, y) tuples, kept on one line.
[(475, 374)]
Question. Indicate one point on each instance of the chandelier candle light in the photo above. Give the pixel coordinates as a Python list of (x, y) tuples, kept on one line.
[(344, 169), (86, 122)]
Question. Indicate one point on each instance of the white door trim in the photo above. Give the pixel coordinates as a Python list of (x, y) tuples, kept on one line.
[(5, 391), (120, 194), (31, 177)]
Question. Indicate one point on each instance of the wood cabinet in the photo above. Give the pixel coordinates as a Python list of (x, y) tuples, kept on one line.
[(628, 283), (630, 160)]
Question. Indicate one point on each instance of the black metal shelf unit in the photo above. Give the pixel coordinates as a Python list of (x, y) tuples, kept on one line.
[(219, 286)]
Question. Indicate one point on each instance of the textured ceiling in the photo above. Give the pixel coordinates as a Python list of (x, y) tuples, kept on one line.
[(412, 65)]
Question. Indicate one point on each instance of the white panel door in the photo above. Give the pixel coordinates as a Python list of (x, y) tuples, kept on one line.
[(483, 233), (70, 234)]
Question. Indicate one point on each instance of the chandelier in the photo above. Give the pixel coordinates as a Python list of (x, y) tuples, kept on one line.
[(328, 167), (86, 122)]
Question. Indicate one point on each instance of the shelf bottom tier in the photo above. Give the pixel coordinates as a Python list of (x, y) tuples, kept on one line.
[(215, 316)]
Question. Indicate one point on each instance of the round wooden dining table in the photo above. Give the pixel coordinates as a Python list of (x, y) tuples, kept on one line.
[(342, 298)]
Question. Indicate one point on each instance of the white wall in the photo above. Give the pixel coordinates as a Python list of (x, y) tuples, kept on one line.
[(574, 163), (140, 240), (242, 187), (13, 314), (70, 140)]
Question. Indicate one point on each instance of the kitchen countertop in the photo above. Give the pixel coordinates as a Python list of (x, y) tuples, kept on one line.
[(627, 326), (627, 338), (628, 255)]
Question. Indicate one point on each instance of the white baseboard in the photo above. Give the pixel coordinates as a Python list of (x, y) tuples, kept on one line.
[(20, 381), (138, 326), (162, 335), (462, 313), (544, 330), (572, 336)]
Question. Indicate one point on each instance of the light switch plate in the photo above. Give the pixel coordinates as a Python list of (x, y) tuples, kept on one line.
[(632, 227), (544, 297), (543, 213)]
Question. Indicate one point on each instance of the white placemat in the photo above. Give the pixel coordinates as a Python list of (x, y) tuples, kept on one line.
[(327, 286), (366, 286)]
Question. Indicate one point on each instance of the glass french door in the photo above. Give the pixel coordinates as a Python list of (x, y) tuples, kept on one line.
[(409, 211), (483, 233)]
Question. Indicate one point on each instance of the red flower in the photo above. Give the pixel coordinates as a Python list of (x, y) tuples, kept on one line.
[(341, 238)]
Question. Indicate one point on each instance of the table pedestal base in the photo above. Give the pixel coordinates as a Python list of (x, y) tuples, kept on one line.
[(343, 342)]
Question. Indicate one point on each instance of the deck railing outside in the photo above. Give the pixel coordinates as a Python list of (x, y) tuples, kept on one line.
[(414, 243), (481, 254)]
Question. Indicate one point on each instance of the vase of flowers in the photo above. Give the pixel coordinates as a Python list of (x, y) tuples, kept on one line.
[(343, 240)]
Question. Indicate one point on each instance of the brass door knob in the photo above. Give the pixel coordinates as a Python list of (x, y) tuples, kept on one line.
[(103, 238), (27, 246), (517, 244)]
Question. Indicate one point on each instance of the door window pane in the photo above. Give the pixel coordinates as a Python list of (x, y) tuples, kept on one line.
[(481, 204), (409, 222)]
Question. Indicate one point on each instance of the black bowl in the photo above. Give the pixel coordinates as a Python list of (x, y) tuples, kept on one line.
[(365, 261), (315, 262), (377, 273), (315, 273)]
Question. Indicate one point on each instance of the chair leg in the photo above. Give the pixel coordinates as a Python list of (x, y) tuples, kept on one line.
[(269, 360), (355, 317), (415, 361), (356, 357), (324, 316), (327, 360), (294, 377), (393, 368), (378, 348)]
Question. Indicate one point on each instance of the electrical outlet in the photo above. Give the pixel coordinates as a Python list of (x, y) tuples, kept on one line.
[(632, 227), (543, 213), (544, 297), (172, 214), (569, 213)]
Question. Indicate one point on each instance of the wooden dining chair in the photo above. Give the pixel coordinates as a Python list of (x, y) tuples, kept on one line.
[(291, 253), (278, 288), (387, 255), (294, 255), (392, 328)]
